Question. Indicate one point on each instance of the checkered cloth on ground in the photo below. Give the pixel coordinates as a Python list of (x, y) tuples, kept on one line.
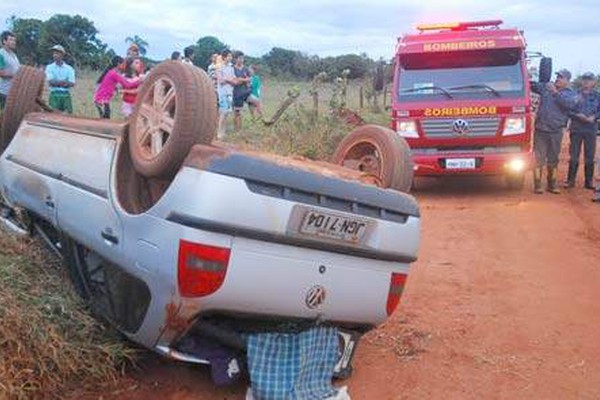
[(293, 366)]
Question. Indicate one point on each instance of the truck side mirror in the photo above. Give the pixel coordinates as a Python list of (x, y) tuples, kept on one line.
[(545, 71)]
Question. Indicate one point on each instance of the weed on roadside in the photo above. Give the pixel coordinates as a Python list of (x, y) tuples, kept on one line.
[(49, 345)]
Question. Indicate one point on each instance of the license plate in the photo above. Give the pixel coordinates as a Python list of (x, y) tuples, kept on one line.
[(332, 226), (460, 163)]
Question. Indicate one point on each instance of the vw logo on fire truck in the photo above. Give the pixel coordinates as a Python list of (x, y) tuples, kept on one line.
[(460, 127), (315, 297)]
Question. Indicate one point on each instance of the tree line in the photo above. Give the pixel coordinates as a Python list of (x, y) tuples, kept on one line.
[(80, 38)]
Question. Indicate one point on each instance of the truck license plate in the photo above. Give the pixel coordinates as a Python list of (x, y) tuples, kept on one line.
[(322, 224), (460, 163)]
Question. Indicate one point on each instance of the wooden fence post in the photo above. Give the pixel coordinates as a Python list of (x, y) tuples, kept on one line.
[(361, 98)]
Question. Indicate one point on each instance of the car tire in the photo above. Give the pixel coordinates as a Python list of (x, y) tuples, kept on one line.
[(175, 109), (379, 152), (27, 86)]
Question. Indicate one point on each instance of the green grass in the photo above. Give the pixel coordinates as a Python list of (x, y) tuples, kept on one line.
[(49, 345), (296, 133)]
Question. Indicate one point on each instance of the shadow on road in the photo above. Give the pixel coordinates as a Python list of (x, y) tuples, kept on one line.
[(466, 186)]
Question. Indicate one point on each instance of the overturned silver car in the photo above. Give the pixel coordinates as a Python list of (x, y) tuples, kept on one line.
[(170, 237)]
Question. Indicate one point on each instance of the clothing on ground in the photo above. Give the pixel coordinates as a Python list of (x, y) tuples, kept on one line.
[(8, 63), (225, 365), (294, 366)]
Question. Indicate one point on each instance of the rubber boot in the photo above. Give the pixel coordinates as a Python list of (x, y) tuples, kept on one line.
[(537, 180), (589, 176), (552, 186), (570, 182)]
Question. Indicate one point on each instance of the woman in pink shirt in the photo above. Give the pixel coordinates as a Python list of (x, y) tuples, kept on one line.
[(107, 84)]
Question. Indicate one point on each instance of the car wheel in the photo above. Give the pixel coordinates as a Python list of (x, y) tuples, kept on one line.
[(378, 152), (27, 86), (175, 109)]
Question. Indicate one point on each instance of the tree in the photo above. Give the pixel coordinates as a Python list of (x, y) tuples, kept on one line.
[(139, 42), (358, 66), (28, 32), (77, 35), (205, 48), (281, 61)]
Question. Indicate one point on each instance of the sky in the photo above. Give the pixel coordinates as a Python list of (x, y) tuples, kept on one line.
[(566, 31)]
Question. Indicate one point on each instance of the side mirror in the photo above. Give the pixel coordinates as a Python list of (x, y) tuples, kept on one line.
[(545, 70)]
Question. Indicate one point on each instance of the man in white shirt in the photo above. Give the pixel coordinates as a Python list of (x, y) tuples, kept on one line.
[(226, 80)]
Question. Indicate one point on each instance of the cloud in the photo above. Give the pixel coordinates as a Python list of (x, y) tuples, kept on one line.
[(325, 27)]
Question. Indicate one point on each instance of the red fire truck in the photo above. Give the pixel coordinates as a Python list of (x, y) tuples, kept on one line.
[(462, 100)]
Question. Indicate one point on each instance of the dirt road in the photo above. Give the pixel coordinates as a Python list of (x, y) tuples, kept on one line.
[(504, 303)]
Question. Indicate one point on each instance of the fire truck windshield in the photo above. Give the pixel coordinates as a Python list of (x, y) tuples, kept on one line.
[(460, 75)]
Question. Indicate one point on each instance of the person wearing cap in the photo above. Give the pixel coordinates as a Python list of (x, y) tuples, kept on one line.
[(557, 101), (9, 64), (61, 78), (583, 130)]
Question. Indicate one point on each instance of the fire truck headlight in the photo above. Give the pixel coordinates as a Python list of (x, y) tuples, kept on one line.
[(517, 165), (514, 126), (408, 129)]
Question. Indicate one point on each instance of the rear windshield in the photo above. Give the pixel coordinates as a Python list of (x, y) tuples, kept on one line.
[(474, 74)]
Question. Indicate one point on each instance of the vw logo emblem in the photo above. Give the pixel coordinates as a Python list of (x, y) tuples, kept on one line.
[(460, 127), (315, 297)]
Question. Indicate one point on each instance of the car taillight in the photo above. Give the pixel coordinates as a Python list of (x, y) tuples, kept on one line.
[(397, 283), (201, 269)]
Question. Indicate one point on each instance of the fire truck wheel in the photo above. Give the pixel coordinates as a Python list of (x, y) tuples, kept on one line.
[(175, 109), (27, 86), (379, 152), (515, 181)]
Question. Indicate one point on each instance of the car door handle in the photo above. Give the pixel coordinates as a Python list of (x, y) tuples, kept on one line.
[(109, 236)]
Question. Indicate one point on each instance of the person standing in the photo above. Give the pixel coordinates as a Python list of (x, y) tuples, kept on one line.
[(107, 84), (188, 55), (133, 51), (557, 101), (225, 82), (61, 78), (583, 131), (254, 100), (241, 90), (9, 64), (211, 70), (133, 69)]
